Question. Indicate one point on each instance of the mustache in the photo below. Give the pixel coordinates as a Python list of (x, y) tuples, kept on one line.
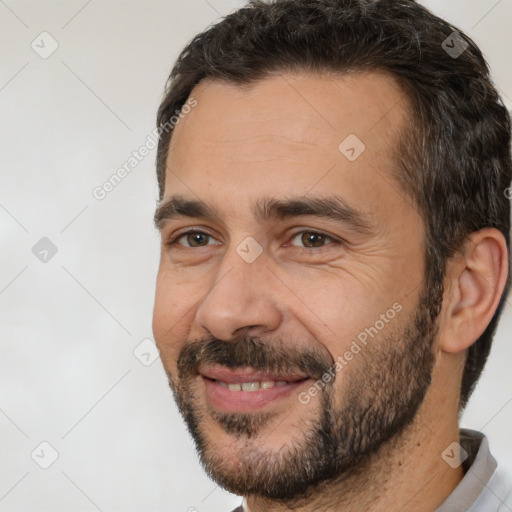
[(250, 352)]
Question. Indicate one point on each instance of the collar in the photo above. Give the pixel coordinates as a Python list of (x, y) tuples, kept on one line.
[(478, 467)]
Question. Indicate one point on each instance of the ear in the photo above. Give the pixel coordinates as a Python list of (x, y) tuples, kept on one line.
[(475, 280)]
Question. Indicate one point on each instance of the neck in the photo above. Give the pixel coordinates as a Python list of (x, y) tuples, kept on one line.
[(406, 474)]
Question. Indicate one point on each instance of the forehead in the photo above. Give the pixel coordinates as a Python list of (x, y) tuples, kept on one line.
[(288, 133)]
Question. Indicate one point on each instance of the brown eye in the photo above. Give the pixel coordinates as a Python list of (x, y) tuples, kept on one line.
[(197, 239), (194, 239), (312, 239)]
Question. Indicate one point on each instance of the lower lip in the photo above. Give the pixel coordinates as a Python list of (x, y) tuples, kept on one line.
[(246, 401)]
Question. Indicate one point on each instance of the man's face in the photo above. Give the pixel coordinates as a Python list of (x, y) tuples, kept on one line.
[(303, 261)]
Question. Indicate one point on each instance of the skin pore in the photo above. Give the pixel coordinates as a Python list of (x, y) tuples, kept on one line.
[(318, 283)]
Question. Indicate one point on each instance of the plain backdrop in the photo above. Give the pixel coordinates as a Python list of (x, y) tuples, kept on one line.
[(72, 322)]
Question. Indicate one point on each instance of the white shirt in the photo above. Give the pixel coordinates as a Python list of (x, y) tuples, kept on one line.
[(484, 487)]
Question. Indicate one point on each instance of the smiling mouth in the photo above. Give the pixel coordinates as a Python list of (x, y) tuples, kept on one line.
[(247, 379), (246, 390), (252, 386)]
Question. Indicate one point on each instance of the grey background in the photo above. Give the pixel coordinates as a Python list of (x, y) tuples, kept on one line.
[(70, 324)]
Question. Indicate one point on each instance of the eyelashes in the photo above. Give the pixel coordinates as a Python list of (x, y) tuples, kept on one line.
[(189, 235), (195, 238)]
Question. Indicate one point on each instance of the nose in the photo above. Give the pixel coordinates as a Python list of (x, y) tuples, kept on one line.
[(241, 301)]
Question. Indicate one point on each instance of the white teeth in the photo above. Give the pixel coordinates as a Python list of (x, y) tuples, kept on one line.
[(250, 386)]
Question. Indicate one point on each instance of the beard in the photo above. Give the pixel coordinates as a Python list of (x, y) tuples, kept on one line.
[(381, 392)]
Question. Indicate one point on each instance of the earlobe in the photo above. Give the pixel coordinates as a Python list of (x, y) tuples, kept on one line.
[(477, 282)]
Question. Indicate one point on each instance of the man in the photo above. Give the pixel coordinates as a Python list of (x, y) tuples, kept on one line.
[(335, 254)]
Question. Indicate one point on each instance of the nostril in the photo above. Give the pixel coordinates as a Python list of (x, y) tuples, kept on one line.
[(247, 329)]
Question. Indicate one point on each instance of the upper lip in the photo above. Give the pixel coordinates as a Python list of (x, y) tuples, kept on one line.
[(241, 375)]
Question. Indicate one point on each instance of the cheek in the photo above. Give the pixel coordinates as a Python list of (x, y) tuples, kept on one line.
[(343, 312), (171, 313)]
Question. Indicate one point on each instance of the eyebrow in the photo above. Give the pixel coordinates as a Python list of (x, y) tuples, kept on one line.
[(330, 207)]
